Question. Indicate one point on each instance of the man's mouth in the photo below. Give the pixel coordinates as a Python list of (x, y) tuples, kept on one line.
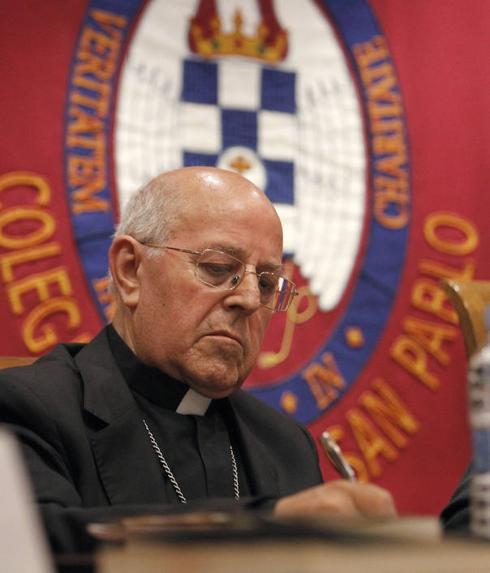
[(227, 335)]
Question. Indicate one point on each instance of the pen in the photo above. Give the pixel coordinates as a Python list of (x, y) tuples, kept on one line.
[(334, 454)]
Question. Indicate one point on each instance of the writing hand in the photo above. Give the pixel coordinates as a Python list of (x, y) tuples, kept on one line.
[(339, 497)]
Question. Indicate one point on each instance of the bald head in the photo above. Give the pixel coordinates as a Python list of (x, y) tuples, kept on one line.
[(173, 200), (202, 334)]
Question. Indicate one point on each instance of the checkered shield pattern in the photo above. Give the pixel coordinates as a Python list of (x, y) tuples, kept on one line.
[(225, 105)]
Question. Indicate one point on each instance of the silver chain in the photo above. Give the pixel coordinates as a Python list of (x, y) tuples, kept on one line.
[(171, 477), (234, 469)]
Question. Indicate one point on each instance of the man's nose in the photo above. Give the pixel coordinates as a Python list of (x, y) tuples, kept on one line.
[(247, 293)]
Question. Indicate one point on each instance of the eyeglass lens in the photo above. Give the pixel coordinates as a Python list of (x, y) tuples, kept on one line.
[(220, 269)]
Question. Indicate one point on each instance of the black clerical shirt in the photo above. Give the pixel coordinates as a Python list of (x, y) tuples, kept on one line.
[(196, 447)]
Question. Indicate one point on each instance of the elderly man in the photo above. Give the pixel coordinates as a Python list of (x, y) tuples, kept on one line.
[(150, 414)]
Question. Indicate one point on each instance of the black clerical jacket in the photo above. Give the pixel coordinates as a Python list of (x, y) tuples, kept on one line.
[(90, 458)]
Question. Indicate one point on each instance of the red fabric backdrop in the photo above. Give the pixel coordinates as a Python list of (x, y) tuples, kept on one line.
[(440, 52)]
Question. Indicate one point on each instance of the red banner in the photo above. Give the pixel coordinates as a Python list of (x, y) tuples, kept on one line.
[(366, 124)]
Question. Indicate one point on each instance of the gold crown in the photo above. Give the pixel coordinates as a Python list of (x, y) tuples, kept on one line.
[(216, 43)]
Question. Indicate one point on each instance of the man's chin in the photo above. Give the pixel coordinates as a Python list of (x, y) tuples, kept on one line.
[(215, 389), (215, 386), (214, 393), (214, 375)]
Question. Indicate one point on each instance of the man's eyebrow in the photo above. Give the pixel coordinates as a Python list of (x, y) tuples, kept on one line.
[(241, 254), (234, 251), (271, 267)]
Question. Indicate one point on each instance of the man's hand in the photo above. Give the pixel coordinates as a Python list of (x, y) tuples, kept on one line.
[(340, 497)]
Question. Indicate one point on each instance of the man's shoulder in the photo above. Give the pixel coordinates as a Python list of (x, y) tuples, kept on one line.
[(43, 394), (279, 433), (248, 406), (50, 374), (65, 356)]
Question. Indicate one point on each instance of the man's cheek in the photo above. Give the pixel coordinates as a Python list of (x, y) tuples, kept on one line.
[(258, 339)]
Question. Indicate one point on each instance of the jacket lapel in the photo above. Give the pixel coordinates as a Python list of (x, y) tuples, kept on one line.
[(256, 457), (126, 462)]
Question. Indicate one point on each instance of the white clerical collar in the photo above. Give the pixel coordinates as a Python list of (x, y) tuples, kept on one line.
[(193, 403)]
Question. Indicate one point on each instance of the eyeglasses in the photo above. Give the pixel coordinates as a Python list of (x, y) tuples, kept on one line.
[(221, 270)]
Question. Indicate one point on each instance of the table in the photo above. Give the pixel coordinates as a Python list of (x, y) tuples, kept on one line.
[(409, 545)]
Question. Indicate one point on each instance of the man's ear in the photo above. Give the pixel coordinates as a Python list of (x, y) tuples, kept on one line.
[(124, 262)]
